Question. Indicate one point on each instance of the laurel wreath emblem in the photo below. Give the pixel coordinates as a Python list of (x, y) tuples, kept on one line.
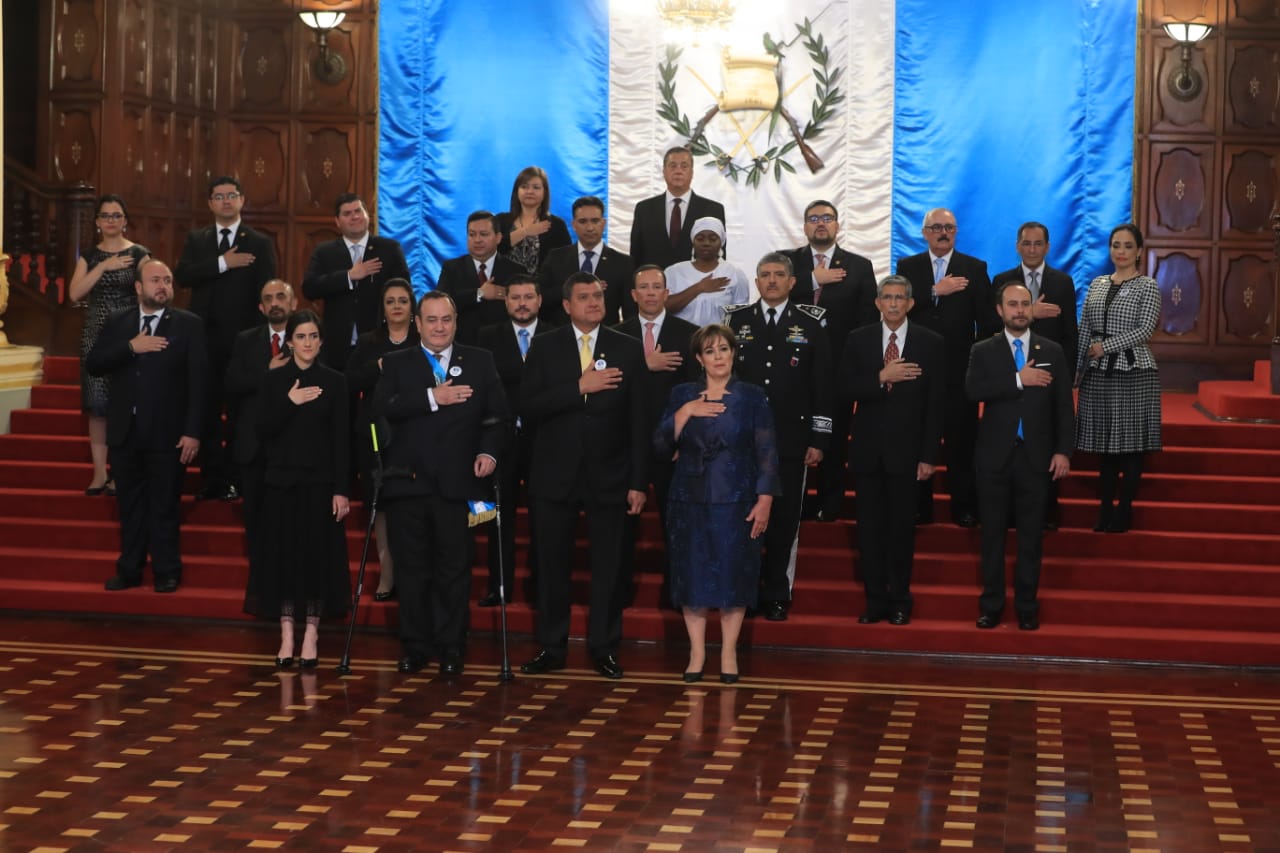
[(827, 95)]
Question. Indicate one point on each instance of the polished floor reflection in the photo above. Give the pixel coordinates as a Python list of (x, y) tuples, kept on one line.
[(168, 735)]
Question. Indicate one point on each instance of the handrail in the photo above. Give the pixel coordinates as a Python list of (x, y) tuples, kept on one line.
[(46, 220)]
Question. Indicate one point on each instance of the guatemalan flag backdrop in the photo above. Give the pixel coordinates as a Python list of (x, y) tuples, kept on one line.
[(1003, 111)]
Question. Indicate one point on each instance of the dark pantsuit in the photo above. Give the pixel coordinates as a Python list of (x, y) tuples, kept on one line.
[(557, 522), (431, 546), (253, 491), (1023, 483), (778, 569), (886, 539), (148, 485)]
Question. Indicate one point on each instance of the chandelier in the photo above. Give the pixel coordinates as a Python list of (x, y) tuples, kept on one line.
[(696, 15)]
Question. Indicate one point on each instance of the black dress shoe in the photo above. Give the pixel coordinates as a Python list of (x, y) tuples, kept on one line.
[(728, 678), (166, 585), (542, 662), (116, 583), (385, 596), (284, 663), (411, 663), (967, 519), (988, 620), (1029, 623), (210, 493), (491, 599), (230, 493), (451, 665), (776, 611), (608, 666), (900, 617), (693, 677), (870, 618)]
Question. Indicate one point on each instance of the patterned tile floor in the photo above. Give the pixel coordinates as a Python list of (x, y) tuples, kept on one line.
[(180, 736)]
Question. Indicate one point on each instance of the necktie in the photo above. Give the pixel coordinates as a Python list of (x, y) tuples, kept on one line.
[(891, 354), (480, 274), (224, 245), (587, 254), (584, 353), (820, 263), (356, 254), (523, 335), (437, 366), (939, 271), (275, 344), (1019, 362), (772, 322), (147, 320), (649, 343), (675, 222), (1033, 284)]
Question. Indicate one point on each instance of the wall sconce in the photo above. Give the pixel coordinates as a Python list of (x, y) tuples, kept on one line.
[(1186, 84), (328, 67)]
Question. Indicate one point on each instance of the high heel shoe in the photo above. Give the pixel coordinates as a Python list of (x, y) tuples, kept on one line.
[(308, 663), (385, 596), (94, 491), (728, 678), (284, 663), (693, 677)]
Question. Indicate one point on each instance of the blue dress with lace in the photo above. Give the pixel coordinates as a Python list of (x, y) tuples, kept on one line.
[(722, 464)]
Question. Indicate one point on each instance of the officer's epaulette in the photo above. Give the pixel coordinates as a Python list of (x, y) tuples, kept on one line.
[(729, 309), (817, 312)]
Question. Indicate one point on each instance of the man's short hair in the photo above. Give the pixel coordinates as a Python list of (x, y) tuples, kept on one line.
[(345, 199), (924, 223), (147, 261), (676, 149), (566, 290), (477, 215), (288, 288), (225, 179), (645, 268), (1008, 284), (521, 278), (433, 295), (1024, 226), (893, 280), (776, 258), (588, 201), (822, 202)]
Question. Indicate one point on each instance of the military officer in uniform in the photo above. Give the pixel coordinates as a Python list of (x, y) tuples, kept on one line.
[(783, 348)]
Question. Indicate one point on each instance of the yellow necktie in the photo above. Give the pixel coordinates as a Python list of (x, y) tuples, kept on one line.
[(584, 354)]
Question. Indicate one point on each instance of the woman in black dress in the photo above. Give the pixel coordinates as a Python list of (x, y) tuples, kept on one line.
[(398, 331), (105, 275), (529, 230), (302, 572)]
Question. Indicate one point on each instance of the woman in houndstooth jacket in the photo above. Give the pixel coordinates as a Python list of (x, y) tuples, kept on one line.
[(1119, 410)]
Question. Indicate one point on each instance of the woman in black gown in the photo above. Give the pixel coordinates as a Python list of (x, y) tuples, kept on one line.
[(302, 572), (726, 475)]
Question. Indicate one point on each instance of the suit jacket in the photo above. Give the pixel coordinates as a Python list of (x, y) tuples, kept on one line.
[(1058, 288), (227, 302), (246, 370), (672, 337), (614, 267), (458, 279), (961, 318), (850, 303), (592, 445), (500, 340), (650, 239), (439, 448), (157, 396), (344, 305), (1046, 413)]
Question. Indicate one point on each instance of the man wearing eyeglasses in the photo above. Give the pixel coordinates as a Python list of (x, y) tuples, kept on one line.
[(225, 265), (845, 285), (953, 298)]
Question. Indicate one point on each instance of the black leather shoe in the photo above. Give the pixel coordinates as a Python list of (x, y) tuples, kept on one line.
[(967, 519), (284, 663), (826, 516), (451, 665), (1029, 623), (385, 596), (608, 666), (776, 611), (491, 600), (988, 620), (308, 663), (116, 583), (693, 677), (166, 585), (542, 662), (230, 493), (869, 618), (728, 678), (412, 663), (900, 617)]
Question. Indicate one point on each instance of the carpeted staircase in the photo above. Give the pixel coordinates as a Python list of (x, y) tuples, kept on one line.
[(1198, 580)]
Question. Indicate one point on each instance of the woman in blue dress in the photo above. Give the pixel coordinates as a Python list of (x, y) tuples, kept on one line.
[(726, 474)]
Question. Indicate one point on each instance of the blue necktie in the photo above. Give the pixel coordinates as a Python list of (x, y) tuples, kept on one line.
[(939, 272), (436, 368), (587, 255), (1019, 362), (523, 334)]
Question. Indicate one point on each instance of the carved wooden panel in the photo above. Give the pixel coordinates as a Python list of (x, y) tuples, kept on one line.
[(186, 57), (1183, 295), (207, 162), (163, 60), (77, 42), (1183, 10), (73, 132), (182, 175), (128, 176), (1169, 112), (159, 151), (305, 237), (1249, 193), (207, 64), (261, 163), (262, 68), (1248, 300), (1253, 90), (1245, 13), (133, 32), (325, 160), (275, 232), (317, 96), (1179, 190)]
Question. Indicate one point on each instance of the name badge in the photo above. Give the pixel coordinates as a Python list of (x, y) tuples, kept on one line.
[(455, 371), (600, 364)]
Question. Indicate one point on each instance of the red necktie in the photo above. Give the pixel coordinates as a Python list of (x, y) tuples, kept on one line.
[(480, 276), (891, 354), (275, 344), (675, 222)]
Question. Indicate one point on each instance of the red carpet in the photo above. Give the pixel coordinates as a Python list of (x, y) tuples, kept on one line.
[(1242, 401), (1197, 581)]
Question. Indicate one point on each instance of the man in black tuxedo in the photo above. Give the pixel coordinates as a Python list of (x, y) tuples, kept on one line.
[(782, 347), (845, 285), (348, 274), (894, 371), (1053, 310), (661, 225), (665, 339), (225, 265), (1023, 381), (509, 343), (589, 255), (477, 281), (154, 356), (953, 298), (449, 421), (256, 351), (584, 397)]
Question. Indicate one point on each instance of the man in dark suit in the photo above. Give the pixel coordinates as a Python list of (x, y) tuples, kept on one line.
[(1053, 311), (509, 343), (225, 265), (154, 356), (256, 351), (953, 298), (589, 255), (782, 347), (1024, 383), (584, 397), (894, 371), (348, 274), (845, 285), (477, 281), (661, 226), (665, 339), (449, 421)]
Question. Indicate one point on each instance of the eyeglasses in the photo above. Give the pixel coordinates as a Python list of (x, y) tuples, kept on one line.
[(225, 196), (110, 217), (824, 219), (938, 228)]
